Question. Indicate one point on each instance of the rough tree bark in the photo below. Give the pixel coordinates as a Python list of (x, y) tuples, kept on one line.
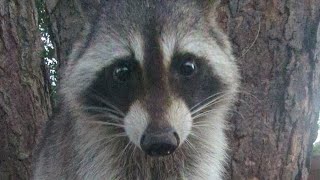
[(277, 44), (24, 97)]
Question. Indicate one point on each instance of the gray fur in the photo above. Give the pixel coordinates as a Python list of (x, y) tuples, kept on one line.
[(74, 147)]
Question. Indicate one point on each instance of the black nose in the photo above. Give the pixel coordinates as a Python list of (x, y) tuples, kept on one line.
[(160, 144)]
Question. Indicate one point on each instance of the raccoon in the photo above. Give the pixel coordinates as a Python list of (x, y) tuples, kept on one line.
[(145, 95)]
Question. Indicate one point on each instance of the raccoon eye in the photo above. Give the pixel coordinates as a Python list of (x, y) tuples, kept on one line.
[(187, 68), (121, 73)]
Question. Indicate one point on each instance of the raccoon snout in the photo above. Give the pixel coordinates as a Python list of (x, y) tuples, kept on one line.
[(160, 144)]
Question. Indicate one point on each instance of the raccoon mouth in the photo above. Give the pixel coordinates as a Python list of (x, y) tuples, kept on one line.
[(160, 144)]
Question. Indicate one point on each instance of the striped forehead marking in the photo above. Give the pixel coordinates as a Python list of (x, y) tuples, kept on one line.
[(137, 44), (155, 74)]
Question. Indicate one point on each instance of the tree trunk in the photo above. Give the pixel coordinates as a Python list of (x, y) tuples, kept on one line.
[(277, 44), (24, 97), (67, 21)]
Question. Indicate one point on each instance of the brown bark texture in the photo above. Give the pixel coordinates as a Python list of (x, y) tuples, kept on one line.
[(24, 96), (277, 44)]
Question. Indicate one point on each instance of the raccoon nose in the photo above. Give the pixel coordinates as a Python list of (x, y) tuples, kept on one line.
[(160, 144)]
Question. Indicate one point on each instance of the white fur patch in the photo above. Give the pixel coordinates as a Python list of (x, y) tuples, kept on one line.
[(135, 122), (168, 44), (179, 117), (137, 46)]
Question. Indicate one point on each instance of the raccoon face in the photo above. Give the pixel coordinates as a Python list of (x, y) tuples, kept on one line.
[(154, 77)]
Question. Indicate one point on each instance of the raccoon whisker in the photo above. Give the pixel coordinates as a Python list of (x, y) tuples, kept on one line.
[(129, 148), (110, 138), (133, 152), (124, 150), (104, 110), (118, 135), (103, 100), (203, 101), (129, 162), (109, 117), (244, 102), (192, 134), (199, 107), (248, 93), (202, 123), (199, 139), (234, 111), (198, 111), (105, 123), (213, 101), (246, 50), (243, 92), (203, 114), (104, 142), (135, 160), (133, 147), (191, 145), (210, 103)]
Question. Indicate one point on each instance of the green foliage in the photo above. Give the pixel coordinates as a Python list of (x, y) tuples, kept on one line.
[(43, 16), (316, 149), (316, 146), (48, 52)]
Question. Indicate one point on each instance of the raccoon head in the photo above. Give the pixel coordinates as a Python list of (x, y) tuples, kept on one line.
[(158, 71)]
